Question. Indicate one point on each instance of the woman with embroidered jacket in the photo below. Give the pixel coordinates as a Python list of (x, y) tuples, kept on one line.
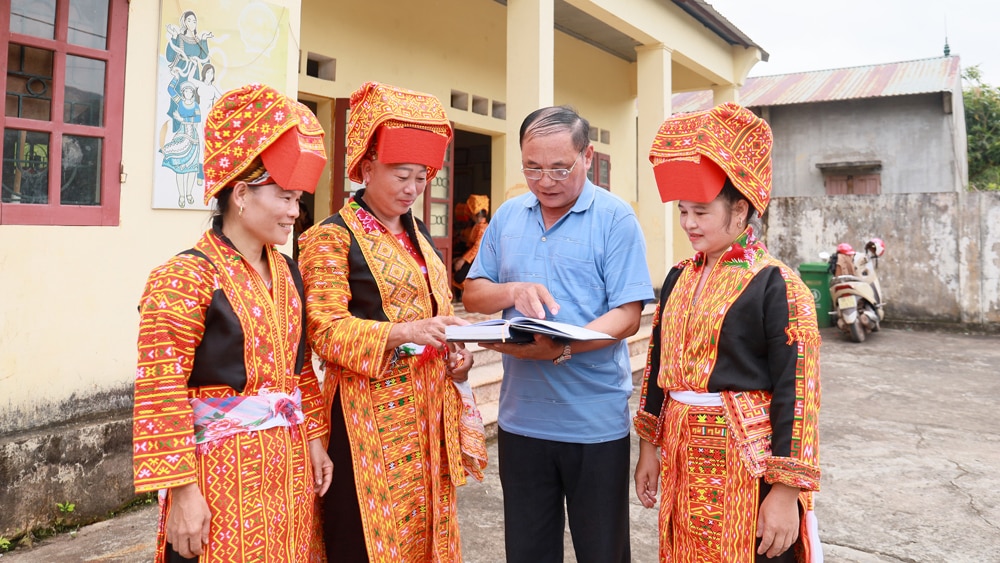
[(730, 400), (229, 420), (402, 435)]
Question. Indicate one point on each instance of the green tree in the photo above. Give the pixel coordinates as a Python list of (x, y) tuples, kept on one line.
[(982, 123)]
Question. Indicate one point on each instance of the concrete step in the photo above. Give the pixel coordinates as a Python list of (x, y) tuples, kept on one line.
[(486, 374)]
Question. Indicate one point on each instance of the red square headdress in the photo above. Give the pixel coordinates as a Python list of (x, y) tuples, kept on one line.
[(401, 127), (693, 153), (257, 120)]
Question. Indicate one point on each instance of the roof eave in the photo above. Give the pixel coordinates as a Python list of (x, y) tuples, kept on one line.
[(718, 24)]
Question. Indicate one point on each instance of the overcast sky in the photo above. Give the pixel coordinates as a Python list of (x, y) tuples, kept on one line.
[(803, 35)]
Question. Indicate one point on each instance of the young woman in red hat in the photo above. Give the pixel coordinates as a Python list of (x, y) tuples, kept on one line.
[(229, 421), (729, 411)]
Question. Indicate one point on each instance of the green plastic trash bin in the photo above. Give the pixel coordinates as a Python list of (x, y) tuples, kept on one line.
[(816, 276)]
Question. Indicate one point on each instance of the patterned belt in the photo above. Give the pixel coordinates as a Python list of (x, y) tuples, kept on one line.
[(218, 417)]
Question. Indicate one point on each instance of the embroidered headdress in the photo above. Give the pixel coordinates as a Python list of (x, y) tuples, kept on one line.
[(693, 153), (478, 203), (399, 126), (258, 121)]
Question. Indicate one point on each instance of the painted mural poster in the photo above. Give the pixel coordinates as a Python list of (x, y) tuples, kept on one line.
[(207, 48)]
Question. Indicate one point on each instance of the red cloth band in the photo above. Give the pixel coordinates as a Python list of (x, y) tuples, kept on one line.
[(687, 180), (405, 145)]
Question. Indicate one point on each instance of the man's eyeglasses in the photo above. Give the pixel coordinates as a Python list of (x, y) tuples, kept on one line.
[(557, 174)]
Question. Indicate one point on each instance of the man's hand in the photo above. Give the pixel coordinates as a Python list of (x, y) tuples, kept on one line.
[(481, 295), (778, 520), (542, 348), (532, 298), (188, 521), (321, 465)]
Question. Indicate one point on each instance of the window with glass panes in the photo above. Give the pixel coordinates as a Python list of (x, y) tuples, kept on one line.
[(599, 172), (62, 123)]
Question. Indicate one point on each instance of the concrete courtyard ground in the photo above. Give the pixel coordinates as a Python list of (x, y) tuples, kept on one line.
[(910, 450)]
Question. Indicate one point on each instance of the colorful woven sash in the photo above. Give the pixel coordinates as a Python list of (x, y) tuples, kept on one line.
[(471, 433), (218, 417)]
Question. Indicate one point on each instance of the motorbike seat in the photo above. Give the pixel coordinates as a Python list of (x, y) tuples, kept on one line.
[(846, 279), (844, 265)]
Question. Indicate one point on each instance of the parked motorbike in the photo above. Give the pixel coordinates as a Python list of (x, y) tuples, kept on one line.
[(854, 287)]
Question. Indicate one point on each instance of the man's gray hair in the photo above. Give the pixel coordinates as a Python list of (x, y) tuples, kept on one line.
[(555, 119)]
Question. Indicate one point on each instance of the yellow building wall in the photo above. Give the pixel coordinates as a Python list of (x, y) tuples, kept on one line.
[(443, 53), (601, 87), (69, 295), (428, 49)]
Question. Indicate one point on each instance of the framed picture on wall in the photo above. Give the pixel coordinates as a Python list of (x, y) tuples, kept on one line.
[(207, 48)]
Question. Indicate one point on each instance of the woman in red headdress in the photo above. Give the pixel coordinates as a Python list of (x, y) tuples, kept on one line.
[(730, 400), (404, 429), (229, 420)]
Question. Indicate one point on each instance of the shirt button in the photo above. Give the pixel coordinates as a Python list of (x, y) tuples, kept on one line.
[(543, 239)]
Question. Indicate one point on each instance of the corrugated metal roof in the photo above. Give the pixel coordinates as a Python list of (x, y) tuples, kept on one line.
[(874, 81)]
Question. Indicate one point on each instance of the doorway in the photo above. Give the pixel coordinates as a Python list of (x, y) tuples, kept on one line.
[(472, 172), (308, 210)]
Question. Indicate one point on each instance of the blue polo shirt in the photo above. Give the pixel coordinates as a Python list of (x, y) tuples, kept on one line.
[(591, 261)]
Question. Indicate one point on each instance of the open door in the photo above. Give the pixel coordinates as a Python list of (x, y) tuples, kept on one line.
[(341, 187), (435, 207)]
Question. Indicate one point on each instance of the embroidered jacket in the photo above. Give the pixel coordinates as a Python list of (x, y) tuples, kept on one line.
[(751, 336), (401, 414), (211, 329)]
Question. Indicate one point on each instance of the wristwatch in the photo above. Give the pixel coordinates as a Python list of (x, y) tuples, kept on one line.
[(567, 353)]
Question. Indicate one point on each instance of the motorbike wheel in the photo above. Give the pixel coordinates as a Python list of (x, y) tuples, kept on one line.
[(857, 331), (875, 322)]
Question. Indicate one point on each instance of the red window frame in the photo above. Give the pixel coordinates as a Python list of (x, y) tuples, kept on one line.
[(594, 172), (54, 213)]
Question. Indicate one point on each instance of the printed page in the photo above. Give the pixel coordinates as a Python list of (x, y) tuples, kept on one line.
[(519, 329), (557, 329)]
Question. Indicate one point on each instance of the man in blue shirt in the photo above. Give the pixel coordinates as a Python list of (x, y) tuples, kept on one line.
[(574, 253)]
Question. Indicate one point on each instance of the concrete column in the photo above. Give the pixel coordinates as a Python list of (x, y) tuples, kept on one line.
[(530, 72), (658, 220), (726, 93)]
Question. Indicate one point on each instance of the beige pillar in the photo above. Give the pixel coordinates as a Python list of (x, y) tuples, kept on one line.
[(530, 71), (725, 93), (654, 106)]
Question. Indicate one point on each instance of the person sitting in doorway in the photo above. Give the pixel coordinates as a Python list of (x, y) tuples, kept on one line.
[(479, 209)]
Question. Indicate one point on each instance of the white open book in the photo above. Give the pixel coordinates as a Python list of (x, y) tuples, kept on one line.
[(519, 330)]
